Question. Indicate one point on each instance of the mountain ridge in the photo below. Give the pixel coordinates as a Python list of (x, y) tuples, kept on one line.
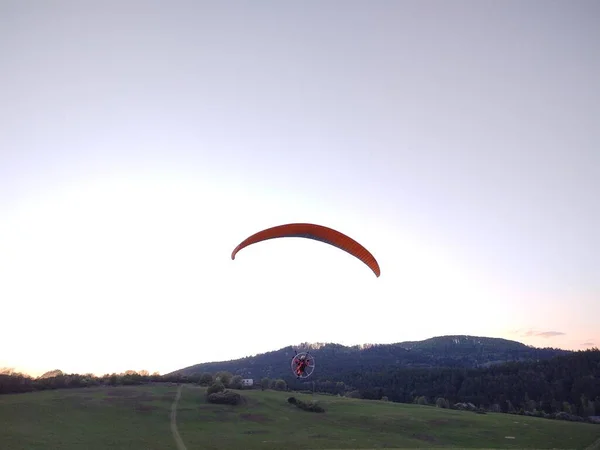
[(457, 351)]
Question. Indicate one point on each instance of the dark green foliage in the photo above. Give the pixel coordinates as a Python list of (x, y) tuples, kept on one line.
[(216, 387), (445, 351), (280, 385), (265, 383), (310, 406), (568, 383), (224, 377), (236, 382), (442, 403), (225, 398), (206, 379)]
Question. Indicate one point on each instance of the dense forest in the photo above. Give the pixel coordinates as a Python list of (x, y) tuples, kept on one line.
[(334, 359), (566, 386)]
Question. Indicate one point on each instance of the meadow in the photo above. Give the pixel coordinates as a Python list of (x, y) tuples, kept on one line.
[(140, 418)]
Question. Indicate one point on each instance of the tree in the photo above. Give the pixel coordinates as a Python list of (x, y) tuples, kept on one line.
[(265, 383), (442, 403), (206, 379), (280, 385), (52, 374), (224, 377), (236, 382), (217, 386)]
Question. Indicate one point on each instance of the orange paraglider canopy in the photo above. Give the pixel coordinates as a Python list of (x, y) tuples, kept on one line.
[(318, 233)]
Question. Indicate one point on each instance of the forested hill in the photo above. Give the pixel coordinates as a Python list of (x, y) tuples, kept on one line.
[(332, 359)]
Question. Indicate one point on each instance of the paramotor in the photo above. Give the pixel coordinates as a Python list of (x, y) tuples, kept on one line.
[(303, 365)]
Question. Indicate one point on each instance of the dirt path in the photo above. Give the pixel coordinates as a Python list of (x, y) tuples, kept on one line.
[(178, 441)]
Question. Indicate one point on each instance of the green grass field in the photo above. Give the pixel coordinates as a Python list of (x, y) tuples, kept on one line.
[(139, 418)]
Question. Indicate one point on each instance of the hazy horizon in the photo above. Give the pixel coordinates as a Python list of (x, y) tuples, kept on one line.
[(141, 142)]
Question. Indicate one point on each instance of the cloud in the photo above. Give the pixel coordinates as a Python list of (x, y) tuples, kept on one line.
[(547, 334), (544, 334), (588, 344)]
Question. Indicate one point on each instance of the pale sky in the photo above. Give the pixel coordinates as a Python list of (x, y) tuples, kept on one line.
[(140, 142)]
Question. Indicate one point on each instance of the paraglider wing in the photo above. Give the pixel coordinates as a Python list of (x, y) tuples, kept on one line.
[(318, 233)]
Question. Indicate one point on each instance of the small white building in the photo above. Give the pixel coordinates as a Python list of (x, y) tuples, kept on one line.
[(247, 382)]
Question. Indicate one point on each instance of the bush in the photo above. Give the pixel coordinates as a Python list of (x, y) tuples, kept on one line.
[(225, 398), (495, 408), (280, 385), (217, 386), (310, 407), (353, 394), (442, 403)]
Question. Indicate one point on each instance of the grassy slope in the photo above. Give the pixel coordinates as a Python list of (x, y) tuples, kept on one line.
[(138, 418), (91, 419)]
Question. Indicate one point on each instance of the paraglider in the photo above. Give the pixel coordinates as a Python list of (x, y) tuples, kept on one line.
[(318, 233), (303, 365)]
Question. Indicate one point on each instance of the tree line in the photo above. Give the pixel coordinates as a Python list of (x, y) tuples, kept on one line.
[(12, 382), (569, 384)]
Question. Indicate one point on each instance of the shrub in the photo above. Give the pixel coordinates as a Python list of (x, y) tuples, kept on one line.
[(225, 398), (353, 394), (442, 403), (310, 407), (495, 408), (280, 385)]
